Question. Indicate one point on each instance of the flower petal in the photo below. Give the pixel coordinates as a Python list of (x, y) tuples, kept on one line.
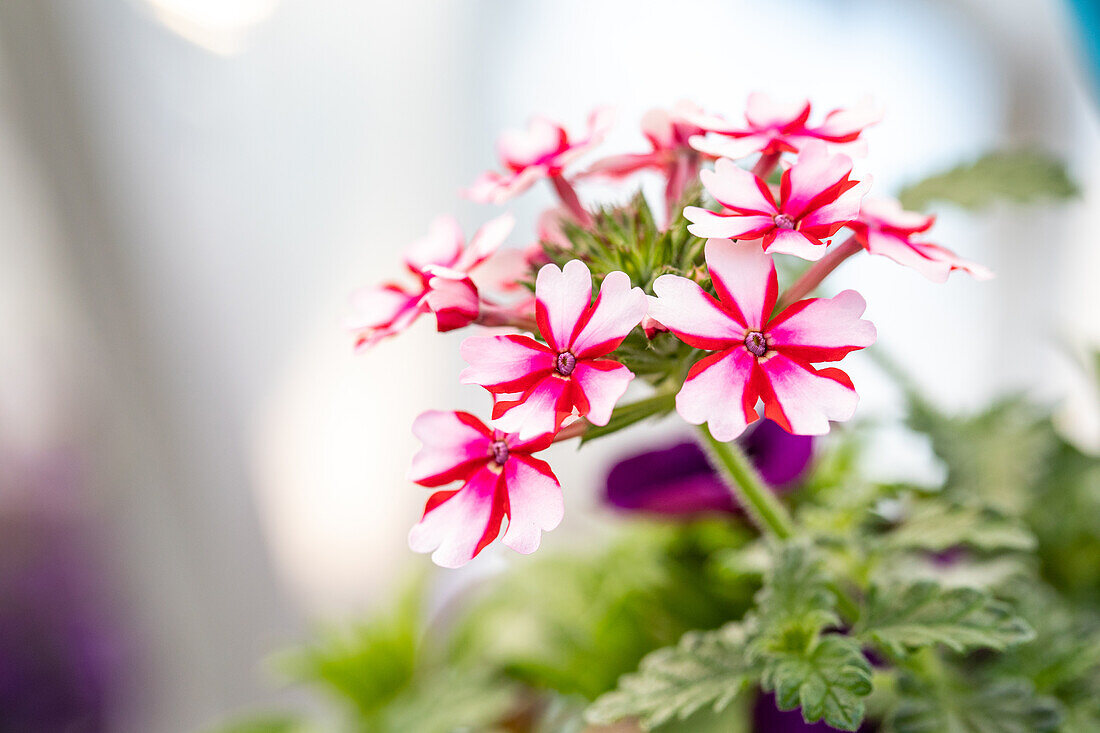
[(486, 240), (561, 297), (734, 148), (802, 399), (521, 148), (717, 392), (744, 278), (822, 329), (535, 503), (845, 125), (793, 242), (603, 382), (440, 246), (454, 444), (510, 363), (706, 223), (764, 112), (540, 409), (617, 310), (738, 189), (694, 316), (824, 221), (815, 175), (457, 525)]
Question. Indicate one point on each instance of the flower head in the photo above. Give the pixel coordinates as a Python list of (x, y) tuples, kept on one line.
[(779, 127), (668, 133), (501, 481), (884, 228), (441, 264), (759, 357), (538, 385), (543, 150), (817, 196)]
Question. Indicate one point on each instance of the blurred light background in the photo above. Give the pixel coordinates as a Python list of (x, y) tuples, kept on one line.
[(192, 462)]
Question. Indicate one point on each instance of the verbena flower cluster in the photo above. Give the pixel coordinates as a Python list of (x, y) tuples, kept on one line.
[(691, 304)]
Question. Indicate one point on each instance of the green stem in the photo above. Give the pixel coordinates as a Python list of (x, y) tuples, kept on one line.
[(748, 488)]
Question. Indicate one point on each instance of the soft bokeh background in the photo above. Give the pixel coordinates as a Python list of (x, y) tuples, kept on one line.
[(195, 469)]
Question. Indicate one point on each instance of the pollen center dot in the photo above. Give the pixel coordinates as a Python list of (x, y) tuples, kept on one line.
[(756, 343), (565, 363), (498, 449), (783, 221)]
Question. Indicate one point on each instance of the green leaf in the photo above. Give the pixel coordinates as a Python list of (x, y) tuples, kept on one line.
[(273, 723), (828, 681), (1021, 176), (935, 525), (705, 669), (451, 701), (924, 613), (796, 602), (969, 706)]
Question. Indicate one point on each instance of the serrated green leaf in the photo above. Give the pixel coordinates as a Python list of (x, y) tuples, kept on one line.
[(452, 701), (796, 602), (924, 614), (828, 681), (999, 706), (1021, 176), (705, 669), (936, 525)]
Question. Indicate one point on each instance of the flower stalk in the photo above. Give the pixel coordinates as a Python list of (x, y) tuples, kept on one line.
[(821, 269), (744, 481)]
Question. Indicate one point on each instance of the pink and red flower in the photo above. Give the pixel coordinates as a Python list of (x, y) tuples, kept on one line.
[(776, 127), (884, 228), (543, 150), (668, 132), (759, 357), (442, 264), (539, 385), (817, 196), (501, 481)]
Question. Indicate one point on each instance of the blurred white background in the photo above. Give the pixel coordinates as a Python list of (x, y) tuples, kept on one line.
[(189, 189)]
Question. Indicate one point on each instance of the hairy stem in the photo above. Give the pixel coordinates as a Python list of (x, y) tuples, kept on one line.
[(569, 199), (805, 285), (766, 165), (743, 480)]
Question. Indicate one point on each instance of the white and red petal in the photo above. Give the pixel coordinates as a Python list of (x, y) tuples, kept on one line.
[(845, 125), (822, 329), (697, 318), (539, 409), (535, 502), (744, 278), (763, 112), (737, 189), (454, 444), (486, 240), (794, 242), (706, 223), (381, 312), (561, 297), (803, 399), (617, 167), (440, 246), (508, 363), (825, 220), (931, 260), (717, 392), (884, 213), (816, 179), (603, 326), (734, 148), (521, 148), (457, 525), (603, 383), (452, 297)]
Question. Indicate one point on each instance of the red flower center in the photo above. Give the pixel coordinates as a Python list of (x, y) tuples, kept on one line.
[(756, 343), (498, 450), (783, 221), (565, 363)]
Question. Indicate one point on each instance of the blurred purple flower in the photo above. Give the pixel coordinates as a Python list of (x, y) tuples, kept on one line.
[(679, 480)]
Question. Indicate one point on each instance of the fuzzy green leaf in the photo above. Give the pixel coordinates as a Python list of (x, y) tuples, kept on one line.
[(705, 669), (796, 602), (935, 526), (963, 706), (924, 614), (1021, 176), (828, 681)]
